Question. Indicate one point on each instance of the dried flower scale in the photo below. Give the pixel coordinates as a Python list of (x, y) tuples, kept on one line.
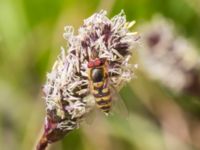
[(67, 92)]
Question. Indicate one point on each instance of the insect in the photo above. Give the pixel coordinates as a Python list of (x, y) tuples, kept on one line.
[(99, 86), (105, 95)]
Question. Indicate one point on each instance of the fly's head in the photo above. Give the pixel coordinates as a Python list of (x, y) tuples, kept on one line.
[(97, 70)]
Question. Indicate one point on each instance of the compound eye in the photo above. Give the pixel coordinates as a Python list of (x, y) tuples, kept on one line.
[(97, 75), (90, 64), (97, 62)]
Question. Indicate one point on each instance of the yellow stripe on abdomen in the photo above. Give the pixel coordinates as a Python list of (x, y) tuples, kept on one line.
[(104, 103)]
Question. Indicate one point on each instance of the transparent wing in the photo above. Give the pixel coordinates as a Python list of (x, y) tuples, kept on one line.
[(89, 119), (90, 116), (118, 105)]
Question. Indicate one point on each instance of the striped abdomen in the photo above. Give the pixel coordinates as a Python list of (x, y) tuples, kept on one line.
[(103, 98)]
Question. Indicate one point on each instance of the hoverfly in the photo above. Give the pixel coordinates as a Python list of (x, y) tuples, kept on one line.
[(104, 93), (98, 77)]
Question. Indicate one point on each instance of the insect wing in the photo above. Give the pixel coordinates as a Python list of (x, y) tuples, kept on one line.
[(118, 106), (89, 119), (90, 116)]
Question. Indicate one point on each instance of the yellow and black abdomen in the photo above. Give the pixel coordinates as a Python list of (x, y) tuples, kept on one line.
[(103, 98)]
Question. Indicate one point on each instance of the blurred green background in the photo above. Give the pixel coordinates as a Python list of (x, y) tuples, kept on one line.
[(30, 40)]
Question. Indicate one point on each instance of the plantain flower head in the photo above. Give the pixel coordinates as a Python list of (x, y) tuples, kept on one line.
[(67, 93), (167, 56)]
